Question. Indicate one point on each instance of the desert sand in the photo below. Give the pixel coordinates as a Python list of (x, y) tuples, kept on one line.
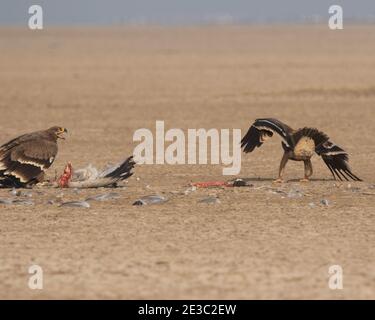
[(259, 242)]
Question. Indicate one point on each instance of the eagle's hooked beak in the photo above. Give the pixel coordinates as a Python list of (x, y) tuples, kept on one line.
[(61, 132)]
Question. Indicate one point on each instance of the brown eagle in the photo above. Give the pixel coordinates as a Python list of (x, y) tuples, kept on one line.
[(300, 145), (24, 159)]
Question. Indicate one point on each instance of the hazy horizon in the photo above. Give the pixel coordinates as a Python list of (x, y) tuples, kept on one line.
[(174, 12)]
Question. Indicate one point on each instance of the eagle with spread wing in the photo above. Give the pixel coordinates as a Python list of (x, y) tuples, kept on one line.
[(300, 145), (23, 160)]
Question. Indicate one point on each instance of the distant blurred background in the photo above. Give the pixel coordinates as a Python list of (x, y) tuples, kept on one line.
[(181, 12)]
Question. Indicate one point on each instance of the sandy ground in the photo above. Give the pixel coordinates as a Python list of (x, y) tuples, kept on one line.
[(258, 242)]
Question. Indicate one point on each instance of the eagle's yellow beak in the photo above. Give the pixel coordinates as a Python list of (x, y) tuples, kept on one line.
[(60, 133)]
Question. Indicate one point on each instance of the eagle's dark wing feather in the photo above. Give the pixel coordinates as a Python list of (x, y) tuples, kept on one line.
[(336, 160), (262, 129), (24, 159), (317, 136), (40, 153)]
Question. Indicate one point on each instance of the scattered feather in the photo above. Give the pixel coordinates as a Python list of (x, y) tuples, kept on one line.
[(26, 202), (148, 200), (76, 204), (6, 201), (210, 200)]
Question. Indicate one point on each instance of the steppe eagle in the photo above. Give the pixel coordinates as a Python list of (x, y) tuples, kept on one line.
[(23, 160), (300, 145)]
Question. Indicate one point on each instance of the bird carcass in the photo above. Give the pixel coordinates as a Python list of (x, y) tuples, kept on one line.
[(90, 177)]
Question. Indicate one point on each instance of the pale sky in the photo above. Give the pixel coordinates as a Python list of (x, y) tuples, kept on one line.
[(109, 12)]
